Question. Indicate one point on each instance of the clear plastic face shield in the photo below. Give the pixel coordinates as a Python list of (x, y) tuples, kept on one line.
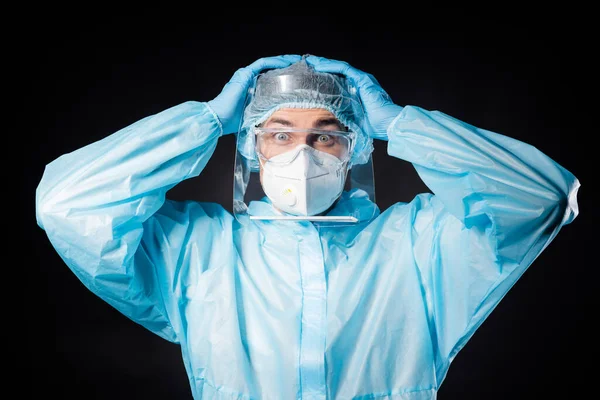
[(302, 150)]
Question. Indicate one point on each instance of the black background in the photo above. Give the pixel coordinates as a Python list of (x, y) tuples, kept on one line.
[(90, 77)]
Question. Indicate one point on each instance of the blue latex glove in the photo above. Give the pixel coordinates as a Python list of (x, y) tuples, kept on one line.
[(229, 104), (380, 110)]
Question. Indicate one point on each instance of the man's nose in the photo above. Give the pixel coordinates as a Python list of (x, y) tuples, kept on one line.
[(306, 139)]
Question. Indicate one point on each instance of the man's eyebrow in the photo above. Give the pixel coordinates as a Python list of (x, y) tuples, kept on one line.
[(320, 123), (280, 121)]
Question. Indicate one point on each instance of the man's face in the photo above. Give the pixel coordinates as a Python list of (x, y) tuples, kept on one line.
[(299, 118)]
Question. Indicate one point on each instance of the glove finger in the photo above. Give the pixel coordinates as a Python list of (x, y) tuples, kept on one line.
[(273, 62), (244, 75), (322, 64), (368, 87), (375, 81), (375, 95)]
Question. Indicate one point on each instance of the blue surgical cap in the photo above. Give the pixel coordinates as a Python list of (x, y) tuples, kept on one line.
[(300, 86)]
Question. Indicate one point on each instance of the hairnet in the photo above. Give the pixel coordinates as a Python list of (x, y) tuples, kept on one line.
[(300, 86)]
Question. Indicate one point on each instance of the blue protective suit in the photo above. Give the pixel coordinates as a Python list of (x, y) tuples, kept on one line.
[(283, 310)]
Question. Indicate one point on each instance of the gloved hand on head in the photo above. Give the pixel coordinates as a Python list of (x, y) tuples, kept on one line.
[(229, 104), (379, 108)]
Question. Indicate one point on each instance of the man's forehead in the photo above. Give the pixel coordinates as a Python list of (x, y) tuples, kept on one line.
[(304, 117)]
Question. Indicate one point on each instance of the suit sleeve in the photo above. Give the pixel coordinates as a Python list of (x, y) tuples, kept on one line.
[(497, 204), (103, 209)]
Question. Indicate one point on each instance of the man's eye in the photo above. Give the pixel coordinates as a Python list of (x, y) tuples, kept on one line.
[(324, 138), (281, 136)]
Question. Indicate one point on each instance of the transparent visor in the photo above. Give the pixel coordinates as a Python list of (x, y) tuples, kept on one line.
[(288, 173), (281, 145), (303, 175)]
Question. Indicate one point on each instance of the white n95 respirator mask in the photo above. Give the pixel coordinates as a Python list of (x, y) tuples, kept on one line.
[(304, 181)]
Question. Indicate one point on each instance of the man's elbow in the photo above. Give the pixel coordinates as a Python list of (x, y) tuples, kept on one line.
[(569, 204)]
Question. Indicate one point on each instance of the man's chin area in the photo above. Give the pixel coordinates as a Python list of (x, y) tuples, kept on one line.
[(323, 213)]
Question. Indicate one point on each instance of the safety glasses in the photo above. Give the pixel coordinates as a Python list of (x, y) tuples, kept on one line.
[(277, 145)]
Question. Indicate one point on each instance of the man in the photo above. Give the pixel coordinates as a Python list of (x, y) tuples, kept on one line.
[(296, 308)]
